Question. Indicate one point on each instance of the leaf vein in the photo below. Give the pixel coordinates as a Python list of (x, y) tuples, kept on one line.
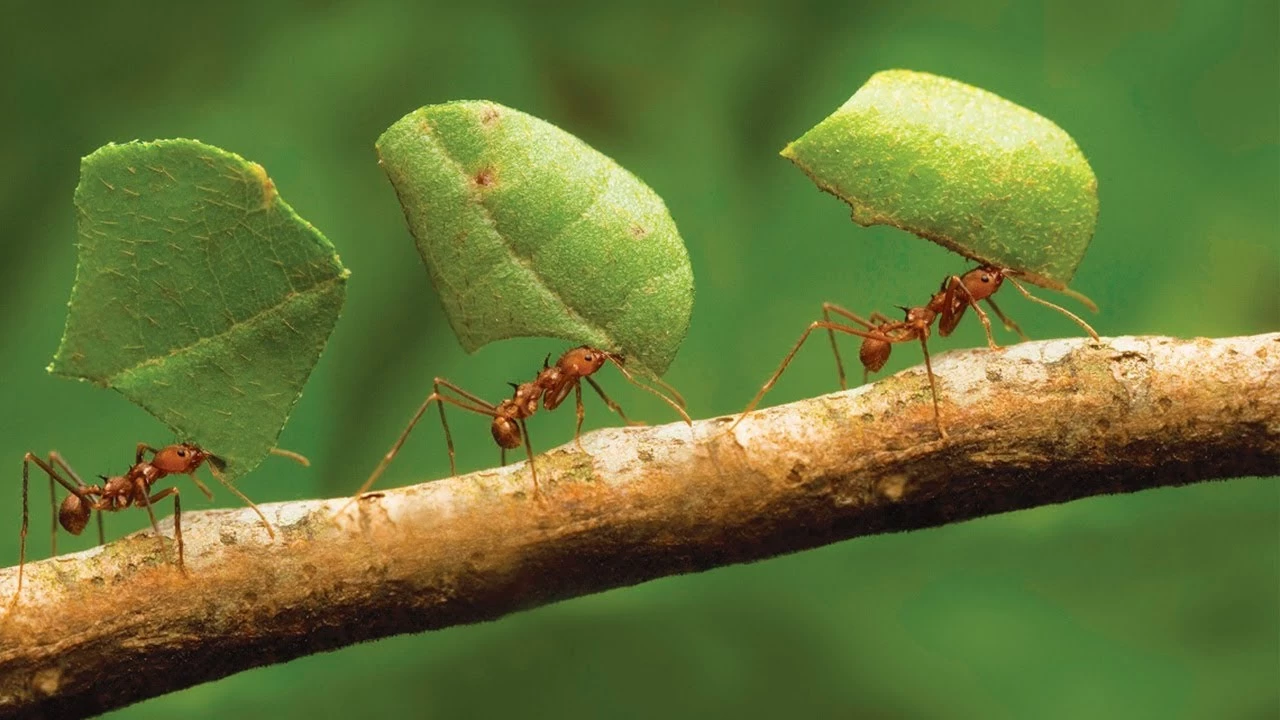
[(289, 299)]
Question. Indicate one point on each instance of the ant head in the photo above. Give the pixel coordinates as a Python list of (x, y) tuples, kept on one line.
[(585, 360), (506, 432), (181, 458), (74, 514), (983, 282)]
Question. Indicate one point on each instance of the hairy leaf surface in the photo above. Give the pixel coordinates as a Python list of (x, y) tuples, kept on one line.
[(528, 231), (200, 295)]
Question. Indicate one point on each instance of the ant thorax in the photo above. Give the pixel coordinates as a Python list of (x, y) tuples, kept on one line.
[(123, 486), (525, 400), (555, 384), (921, 315), (147, 473)]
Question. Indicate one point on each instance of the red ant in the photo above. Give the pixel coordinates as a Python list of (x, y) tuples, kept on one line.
[(551, 386), (947, 306), (133, 488)]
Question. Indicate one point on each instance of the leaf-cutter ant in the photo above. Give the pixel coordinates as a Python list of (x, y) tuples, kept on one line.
[(947, 307), (551, 387), (133, 488)]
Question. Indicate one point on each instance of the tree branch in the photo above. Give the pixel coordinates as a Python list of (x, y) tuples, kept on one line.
[(1035, 424)]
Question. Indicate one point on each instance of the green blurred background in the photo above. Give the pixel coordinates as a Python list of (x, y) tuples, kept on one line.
[(1163, 604)]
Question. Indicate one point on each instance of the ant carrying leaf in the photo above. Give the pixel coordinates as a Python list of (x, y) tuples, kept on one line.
[(947, 306), (133, 488), (551, 387)]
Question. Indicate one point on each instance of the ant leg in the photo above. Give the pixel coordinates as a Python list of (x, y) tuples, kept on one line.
[(177, 529), (528, 448), (53, 512), (477, 405), (827, 309), (956, 287), (291, 455), (773, 379), (217, 475), (664, 389), (177, 519), (610, 403), (22, 534), (933, 387), (1009, 324), (1060, 309), (577, 429), (668, 389), (1077, 296), (395, 447), (155, 527), (49, 470), (202, 487), (678, 407), (142, 448), (482, 408), (502, 456)]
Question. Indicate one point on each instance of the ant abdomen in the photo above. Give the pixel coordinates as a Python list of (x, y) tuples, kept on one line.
[(874, 353), (506, 432), (74, 513)]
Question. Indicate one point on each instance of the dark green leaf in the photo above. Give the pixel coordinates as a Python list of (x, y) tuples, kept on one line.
[(528, 231), (960, 166), (200, 295)]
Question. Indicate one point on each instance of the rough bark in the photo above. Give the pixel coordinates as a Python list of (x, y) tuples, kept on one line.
[(1035, 424)]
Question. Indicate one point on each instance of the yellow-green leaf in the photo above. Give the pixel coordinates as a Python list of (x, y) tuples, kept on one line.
[(961, 166)]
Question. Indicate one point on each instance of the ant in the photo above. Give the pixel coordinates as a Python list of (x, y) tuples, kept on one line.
[(551, 386), (947, 306), (133, 488)]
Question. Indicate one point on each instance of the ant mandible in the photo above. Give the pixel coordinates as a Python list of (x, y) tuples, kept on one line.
[(947, 306), (133, 488), (551, 387)]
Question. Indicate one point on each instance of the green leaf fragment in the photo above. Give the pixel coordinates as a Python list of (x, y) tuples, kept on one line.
[(961, 166), (200, 295), (528, 231)]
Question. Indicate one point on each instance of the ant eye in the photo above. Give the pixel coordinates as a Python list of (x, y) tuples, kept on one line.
[(587, 358), (986, 278), (182, 453)]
